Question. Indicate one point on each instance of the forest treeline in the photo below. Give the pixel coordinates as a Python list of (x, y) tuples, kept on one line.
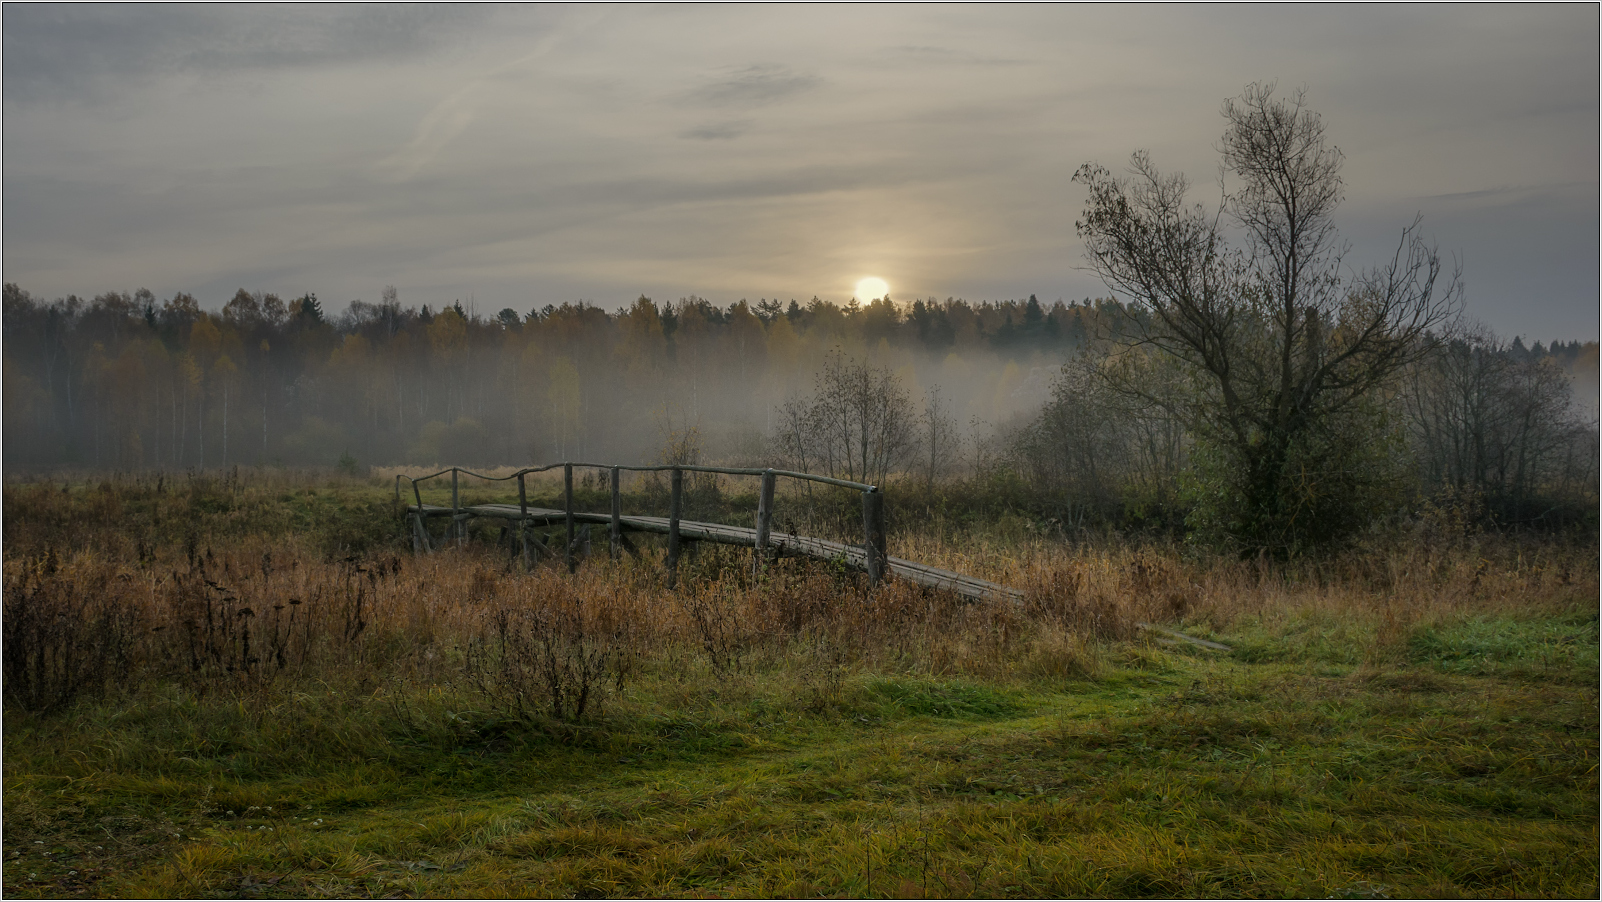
[(1010, 393), (129, 381)]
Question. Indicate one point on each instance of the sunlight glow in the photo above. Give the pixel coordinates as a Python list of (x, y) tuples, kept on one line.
[(872, 288)]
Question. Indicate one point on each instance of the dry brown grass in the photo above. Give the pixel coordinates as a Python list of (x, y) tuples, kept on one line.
[(246, 580), (266, 607)]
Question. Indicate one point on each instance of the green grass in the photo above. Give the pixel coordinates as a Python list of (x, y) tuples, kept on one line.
[(1172, 773)]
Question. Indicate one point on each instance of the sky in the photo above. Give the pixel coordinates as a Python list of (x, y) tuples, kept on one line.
[(518, 156)]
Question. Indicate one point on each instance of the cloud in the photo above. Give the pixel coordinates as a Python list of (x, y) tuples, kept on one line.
[(1509, 194), (448, 119), (948, 55), (719, 131), (89, 53), (451, 116), (754, 86)]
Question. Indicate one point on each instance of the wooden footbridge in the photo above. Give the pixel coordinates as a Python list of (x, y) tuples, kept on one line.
[(868, 557)]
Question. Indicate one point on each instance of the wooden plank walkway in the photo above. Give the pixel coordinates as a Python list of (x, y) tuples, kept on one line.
[(784, 543)]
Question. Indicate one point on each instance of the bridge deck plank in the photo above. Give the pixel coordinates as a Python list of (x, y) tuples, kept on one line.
[(787, 543)]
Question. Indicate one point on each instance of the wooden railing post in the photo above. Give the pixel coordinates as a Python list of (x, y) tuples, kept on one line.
[(456, 510), (764, 524), (567, 483), (873, 534), (617, 517), (675, 509), (522, 520)]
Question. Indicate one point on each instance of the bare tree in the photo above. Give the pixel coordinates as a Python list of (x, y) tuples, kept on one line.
[(982, 443), (865, 417), (794, 434), (1094, 448), (859, 424), (940, 437), (1484, 420), (1283, 350), (1073, 449)]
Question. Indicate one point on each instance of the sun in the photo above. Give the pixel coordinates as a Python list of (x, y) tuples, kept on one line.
[(872, 288)]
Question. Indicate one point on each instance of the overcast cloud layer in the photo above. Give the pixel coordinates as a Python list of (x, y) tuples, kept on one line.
[(519, 156)]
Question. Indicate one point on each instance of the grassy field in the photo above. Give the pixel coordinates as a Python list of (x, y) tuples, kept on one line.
[(1415, 719)]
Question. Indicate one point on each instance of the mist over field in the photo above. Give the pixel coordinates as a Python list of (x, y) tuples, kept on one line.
[(128, 382), (966, 391)]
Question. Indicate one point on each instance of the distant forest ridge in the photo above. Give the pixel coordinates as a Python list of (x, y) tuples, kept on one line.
[(130, 381), (127, 380)]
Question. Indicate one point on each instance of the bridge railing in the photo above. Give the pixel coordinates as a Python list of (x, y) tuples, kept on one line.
[(873, 533)]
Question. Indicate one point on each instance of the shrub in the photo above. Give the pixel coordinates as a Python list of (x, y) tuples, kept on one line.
[(64, 634), (550, 661)]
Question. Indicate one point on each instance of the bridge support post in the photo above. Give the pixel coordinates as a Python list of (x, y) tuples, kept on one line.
[(617, 518), (421, 525), (675, 510), (420, 533), (522, 521), (567, 484), (456, 510), (764, 524), (873, 534)]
